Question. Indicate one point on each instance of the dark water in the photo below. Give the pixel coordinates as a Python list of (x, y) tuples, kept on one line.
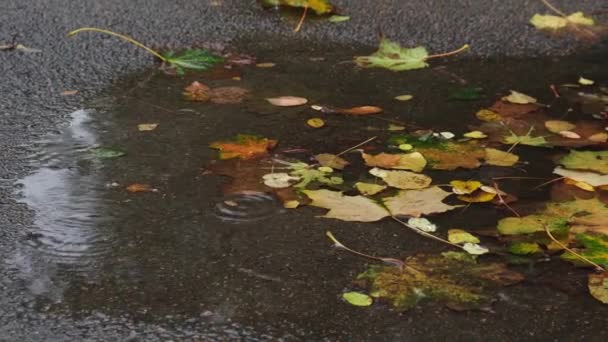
[(189, 251)]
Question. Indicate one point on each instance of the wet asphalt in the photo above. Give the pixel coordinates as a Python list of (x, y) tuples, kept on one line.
[(31, 83)]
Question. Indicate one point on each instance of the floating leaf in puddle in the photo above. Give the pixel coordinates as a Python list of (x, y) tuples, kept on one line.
[(404, 98), (599, 137), (488, 115), (197, 91), (140, 187), (369, 189), (346, 208), (107, 153), (362, 110), (338, 18), (478, 196), (457, 282), (357, 298), (585, 81), (591, 178), (596, 161), (447, 135), (145, 127), (580, 185), (466, 94), (524, 248), (402, 179), (527, 139), (556, 126), (416, 203), (319, 6), (452, 155), (309, 174), (598, 286), (279, 180), (475, 135), (500, 158), (569, 135), (394, 128), (422, 224), (331, 160), (474, 249), (595, 249), (519, 98), (464, 187), (459, 236), (287, 101), (407, 161), (315, 122), (200, 92), (244, 146), (405, 147)]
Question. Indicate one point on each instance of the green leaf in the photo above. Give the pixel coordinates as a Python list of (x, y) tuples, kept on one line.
[(319, 6), (466, 94), (458, 282), (357, 298), (392, 56), (107, 153), (195, 59), (524, 248), (525, 139), (308, 175), (596, 161), (338, 18), (595, 249), (553, 22)]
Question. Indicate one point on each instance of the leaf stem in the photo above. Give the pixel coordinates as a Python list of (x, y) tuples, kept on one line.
[(338, 244), (571, 251), (301, 22), (464, 47), (123, 37), (553, 8)]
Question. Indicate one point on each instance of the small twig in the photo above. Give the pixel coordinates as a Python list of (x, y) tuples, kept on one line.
[(356, 146), (338, 244), (547, 183), (502, 201), (571, 251), (553, 8), (301, 22), (464, 47)]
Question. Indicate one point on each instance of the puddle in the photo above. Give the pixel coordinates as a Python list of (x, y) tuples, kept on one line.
[(188, 249)]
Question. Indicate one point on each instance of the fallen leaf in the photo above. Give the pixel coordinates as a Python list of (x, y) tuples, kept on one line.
[(524, 248), (553, 22), (453, 279), (595, 248), (475, 135), (319, 6), (474, 249), (598, 286), (528, 139), (405, 147), (584, 81), (394, 128), (227, 95), (513, 110), (500, 158), (464, 187), (315, 122), (68, 92), (596, 161), (402, 179), (418, 202), (447, 135), (331, 160), (369, 189), (569, 135), (407, 161), (404, 97), (346, 208), (591, 178), (599, 137), (139, 187), (107, 153), (279, 180), (580, 185), (477, 197), (362, 110), (145, 127), (392, 56), (459, 236), (556, 126), (422, 224), (309, 175), (194, 59), (244, 146), (488, 115), (197, 91), (338, 18), (287, 101), (519, 98)]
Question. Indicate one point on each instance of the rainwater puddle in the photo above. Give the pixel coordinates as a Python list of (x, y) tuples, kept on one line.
[(191, 248)]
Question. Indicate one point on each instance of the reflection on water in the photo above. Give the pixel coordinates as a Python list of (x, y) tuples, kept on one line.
[(247, 207), (63, 193)]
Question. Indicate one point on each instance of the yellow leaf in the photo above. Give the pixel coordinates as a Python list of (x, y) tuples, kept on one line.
[(405, 161), (404, 97), (475, 135), (464, 187), (461, 236), (519, 98), (500, 158), (147, 127), (556, 126), (580, 185), (315, 122), (265, 65), (488, 115), (585, 81), (477, 197), (402, 179)]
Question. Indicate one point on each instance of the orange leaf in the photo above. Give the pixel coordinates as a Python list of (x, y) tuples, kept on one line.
[(139, 187), (244, 147), (197, 91), (363, 110)]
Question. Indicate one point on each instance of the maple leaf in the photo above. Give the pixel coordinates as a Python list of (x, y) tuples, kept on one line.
[(346, 208), (418, 202), (453, 279), (244, 146)]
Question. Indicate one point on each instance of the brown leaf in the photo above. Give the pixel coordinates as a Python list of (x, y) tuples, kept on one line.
[(331, 160), (416, 203), (513, 110), (244, 147), (197, 91), (405, 161), (454, 155), (139, 187), (227, 95)]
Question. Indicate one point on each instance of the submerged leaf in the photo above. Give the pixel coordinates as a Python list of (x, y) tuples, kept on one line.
[(392, 56), (524, 248), (244, 146), (458, 282), (500, 158), (346, 208), (595, 249), (598, 286), (357, 298), (107, 153), (331, 160), (362, 110), (406, 161)]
